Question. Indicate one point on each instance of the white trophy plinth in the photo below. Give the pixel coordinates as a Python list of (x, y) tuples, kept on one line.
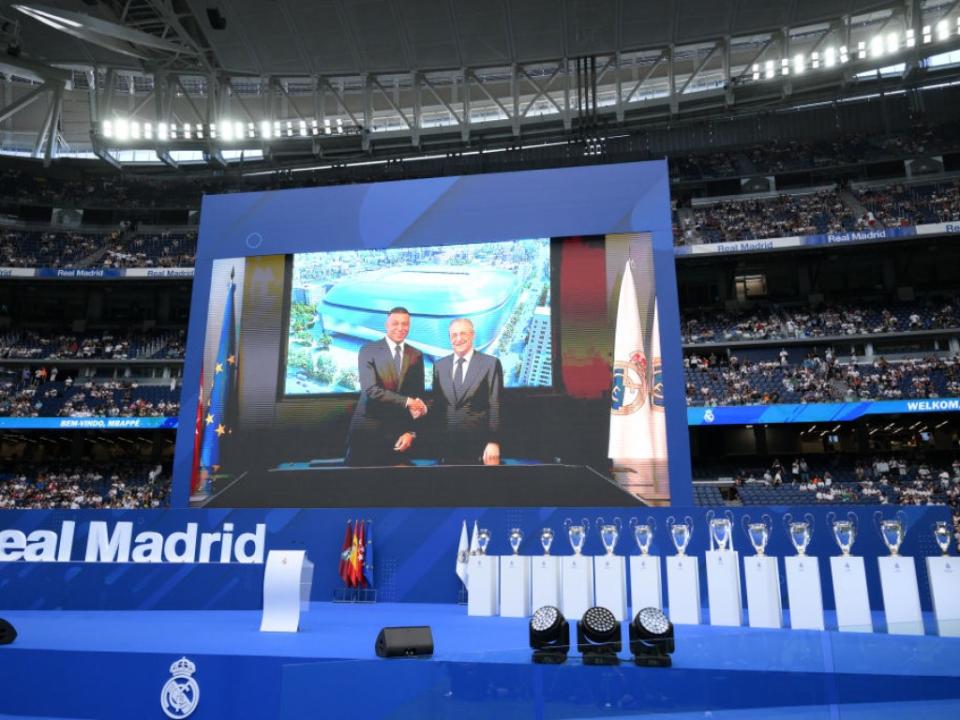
[(287, 577), (804, 592), (483, 580), (514, 586), (646, 583), (546, 581), (850, 594), (683, 589), (944, 573), (901, 597), (762, 576), (610, 573), (577, 588), (723, 587)]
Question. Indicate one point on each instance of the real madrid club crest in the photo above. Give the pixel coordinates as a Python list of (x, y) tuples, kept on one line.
[(181, 693), (629, 391)]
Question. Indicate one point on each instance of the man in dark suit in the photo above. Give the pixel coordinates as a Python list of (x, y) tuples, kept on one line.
[(391, 385), (466, 401)]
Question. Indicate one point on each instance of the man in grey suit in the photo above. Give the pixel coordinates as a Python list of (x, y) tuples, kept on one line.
[(391, 385), (466, 401)]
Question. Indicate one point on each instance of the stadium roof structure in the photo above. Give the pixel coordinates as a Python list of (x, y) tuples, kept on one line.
[(290, 80)]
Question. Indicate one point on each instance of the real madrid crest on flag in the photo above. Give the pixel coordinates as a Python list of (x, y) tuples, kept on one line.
[(629, 390), (180, 693)]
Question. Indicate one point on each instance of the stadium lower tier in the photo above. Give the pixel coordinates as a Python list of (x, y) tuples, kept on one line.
[(122, 664)]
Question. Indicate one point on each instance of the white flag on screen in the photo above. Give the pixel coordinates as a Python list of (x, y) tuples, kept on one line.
[(658, 419), (463, 555), (474, 543), (629, 396)]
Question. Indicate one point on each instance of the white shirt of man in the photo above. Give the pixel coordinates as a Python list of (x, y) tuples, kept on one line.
[(466, 364)]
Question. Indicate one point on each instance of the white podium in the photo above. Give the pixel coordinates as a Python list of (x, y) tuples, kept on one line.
[(646, 583), (610, 576), (577, 588), (901, 597), (545, 581), (514, 586), (287, 578), (483, 585), (850, 594), (944, 573), (683, 589), (723, 587), (762, 576), (804, 592)]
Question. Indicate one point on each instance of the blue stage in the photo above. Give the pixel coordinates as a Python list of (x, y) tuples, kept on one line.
[(114, 664)]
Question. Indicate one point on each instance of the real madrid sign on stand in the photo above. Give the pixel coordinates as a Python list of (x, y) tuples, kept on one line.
[(181, 693)]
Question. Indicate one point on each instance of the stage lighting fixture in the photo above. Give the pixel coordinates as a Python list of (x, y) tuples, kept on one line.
[(549, 636), (651, 638), (598, 637)]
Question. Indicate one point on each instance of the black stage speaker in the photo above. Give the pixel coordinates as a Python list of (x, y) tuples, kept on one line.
[(405, 641), (8, 634)]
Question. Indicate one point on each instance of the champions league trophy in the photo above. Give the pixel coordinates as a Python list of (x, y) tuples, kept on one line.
[(609, 533), (577, 534), (844, 531), (515, 538), (680, 533), (483, 540), (643, 533), (758, 532), (941, 533), (800, 532), (892, 531), (546, 539), (721, 529)]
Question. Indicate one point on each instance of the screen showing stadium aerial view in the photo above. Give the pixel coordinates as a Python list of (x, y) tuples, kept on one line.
[(339, 300), (317, 362)]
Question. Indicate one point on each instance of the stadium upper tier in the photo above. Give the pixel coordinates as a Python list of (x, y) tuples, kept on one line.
[(804, 323), (114, 485), (38, 398), (818, 378)]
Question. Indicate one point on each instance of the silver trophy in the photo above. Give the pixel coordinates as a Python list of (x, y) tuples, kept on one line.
[(721, 529), (577, 534), (483, 540), (680, 533), (609, 533), (643, 533), (758, 533), (941, 533), (515, 538), (800, 532), (546, 539), (844, 531), (892, 531)]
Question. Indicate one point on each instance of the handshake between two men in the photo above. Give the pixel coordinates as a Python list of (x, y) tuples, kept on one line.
[(464, 405)]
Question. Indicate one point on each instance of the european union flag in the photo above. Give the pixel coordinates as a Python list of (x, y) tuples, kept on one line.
[(218, 420), (368, 556)]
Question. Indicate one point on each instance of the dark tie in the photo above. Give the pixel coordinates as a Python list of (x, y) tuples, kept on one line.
[(398, 358), (458, 375)]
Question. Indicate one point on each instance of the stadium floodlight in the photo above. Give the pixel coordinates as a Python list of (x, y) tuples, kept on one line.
[(264, 129), (829, 57), (799, 63), (911, 40), (862, 50), (303, 128), (213, 131), (598, 637), (756, 71), (943, 30), (148, 131), (651, 638), (122, 129), (844, 56), (289, 128), (163, 132), (768, 69), (251, 132), (199, 131), (893, 42), (134, 130), (315, 127), (187, 131), (549, 636), (276, 128), (876, 46), (815, 60), (326, 126), (106, 128), (226, 130), (238, 130), (785, 66), (927, 34)]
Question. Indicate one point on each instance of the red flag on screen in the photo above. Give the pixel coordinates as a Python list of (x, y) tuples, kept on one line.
[(344, 568)]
